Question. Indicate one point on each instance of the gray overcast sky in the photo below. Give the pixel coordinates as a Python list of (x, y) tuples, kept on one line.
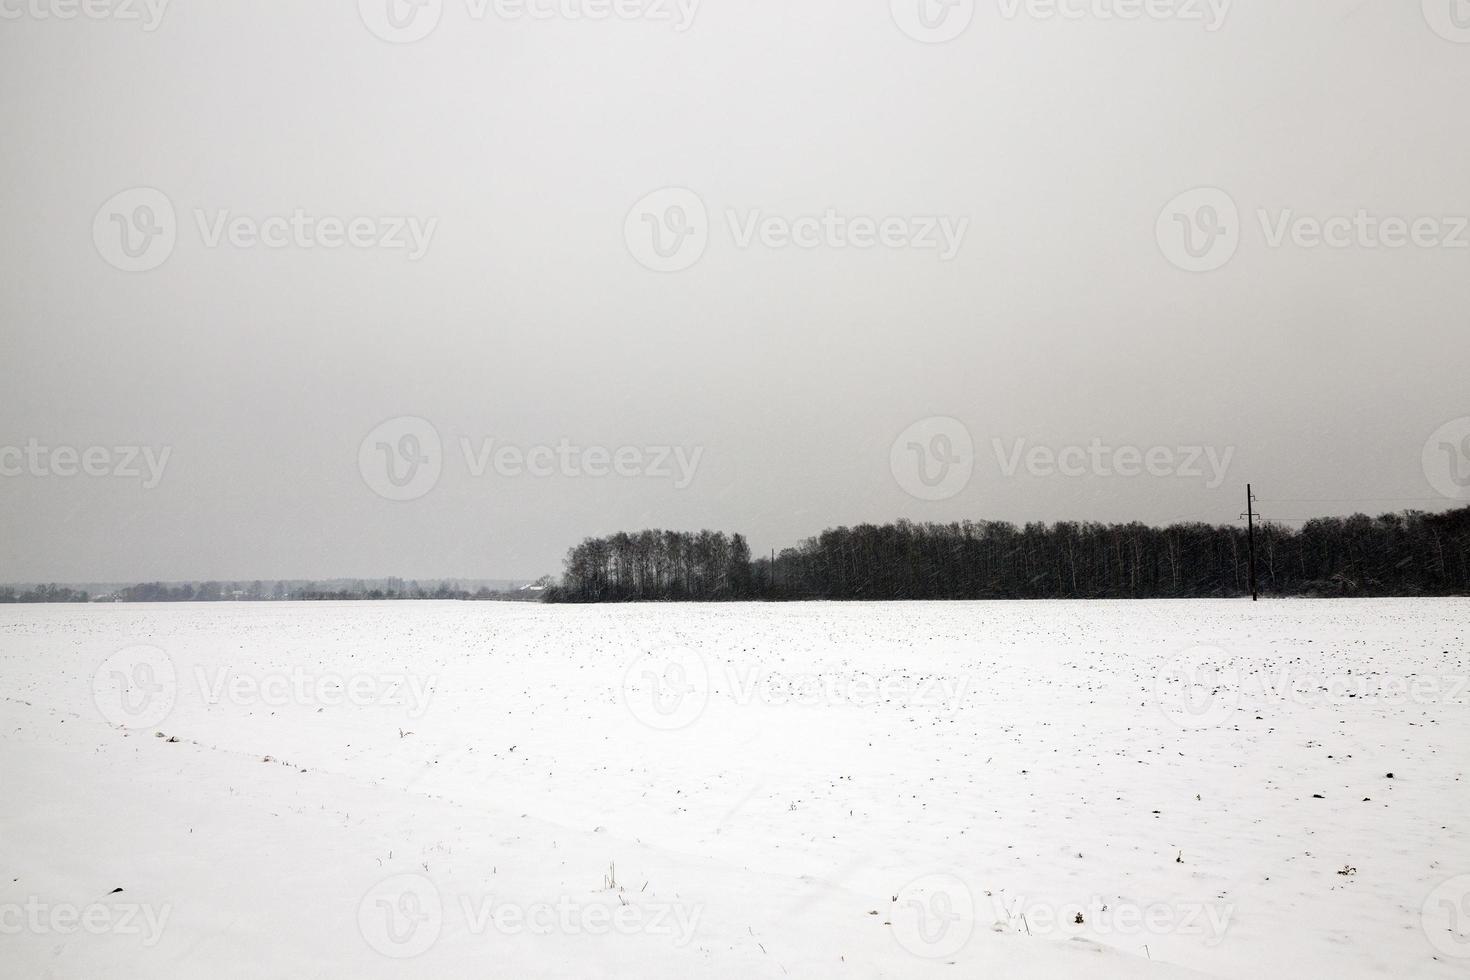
[(532, 316)]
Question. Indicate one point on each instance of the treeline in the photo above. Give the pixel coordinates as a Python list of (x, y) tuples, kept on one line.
[(442, 591), (310, 592), (1407, 554), (42, 593), (703, 565), (281, 591)]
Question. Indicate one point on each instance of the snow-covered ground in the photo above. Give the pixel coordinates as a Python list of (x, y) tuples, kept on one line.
[(816, 790)]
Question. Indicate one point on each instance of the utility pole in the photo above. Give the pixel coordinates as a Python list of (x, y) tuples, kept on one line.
[(1250, 523)]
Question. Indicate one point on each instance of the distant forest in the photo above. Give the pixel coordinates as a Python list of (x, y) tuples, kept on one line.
[(42, 593), (1406, 554), (258, 591)]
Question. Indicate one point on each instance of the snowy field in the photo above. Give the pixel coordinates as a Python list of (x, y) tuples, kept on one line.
[(1013, 790)]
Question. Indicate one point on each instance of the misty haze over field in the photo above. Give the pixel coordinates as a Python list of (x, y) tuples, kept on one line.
[(728, 256)]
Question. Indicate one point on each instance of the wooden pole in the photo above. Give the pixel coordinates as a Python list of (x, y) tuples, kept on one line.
[(1250, 523)]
